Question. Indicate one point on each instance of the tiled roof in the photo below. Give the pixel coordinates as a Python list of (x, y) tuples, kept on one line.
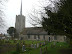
[(34, 30)]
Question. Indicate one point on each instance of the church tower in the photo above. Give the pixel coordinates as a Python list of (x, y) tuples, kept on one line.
[(20, 21)]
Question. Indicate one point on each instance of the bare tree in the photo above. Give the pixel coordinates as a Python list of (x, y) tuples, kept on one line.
[(2, 15), (37, 14)]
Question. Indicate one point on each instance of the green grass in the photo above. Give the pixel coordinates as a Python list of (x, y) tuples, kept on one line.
[(50, 50), (30, 42)]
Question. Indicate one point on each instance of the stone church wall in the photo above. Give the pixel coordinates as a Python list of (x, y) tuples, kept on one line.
[(49, 38)]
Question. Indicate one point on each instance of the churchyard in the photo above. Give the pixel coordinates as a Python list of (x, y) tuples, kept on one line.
[(33, 47)]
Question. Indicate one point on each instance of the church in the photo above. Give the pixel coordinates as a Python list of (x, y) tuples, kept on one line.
[(34, 33)]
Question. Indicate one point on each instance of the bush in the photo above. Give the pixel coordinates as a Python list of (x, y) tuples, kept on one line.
[(14, 52)]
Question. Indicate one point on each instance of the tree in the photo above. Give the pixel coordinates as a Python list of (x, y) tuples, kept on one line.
[(11, 31), (1, 12), (59, 22), (37, 13)]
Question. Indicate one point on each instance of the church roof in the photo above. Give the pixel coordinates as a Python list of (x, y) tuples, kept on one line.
[(34, 31)]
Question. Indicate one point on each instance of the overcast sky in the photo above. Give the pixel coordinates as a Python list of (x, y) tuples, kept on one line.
[(13, 8)]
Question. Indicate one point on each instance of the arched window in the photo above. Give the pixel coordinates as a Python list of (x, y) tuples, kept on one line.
[(38, 37)]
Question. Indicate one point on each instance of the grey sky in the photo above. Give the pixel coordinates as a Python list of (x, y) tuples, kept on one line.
[(13, 9)]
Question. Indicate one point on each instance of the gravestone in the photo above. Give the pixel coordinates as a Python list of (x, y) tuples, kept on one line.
[(23, 48), (37, 45), (54, 43), (32, 46), (43, 43)]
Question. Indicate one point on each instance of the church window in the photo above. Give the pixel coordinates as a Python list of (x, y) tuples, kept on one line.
[(34, 36), (38, 37), (28, 36), (49, 39), (55, 37), (64, 38), (44, 37)]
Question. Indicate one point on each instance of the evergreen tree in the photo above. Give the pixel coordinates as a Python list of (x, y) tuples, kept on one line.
[(59, 22), (11, 31)]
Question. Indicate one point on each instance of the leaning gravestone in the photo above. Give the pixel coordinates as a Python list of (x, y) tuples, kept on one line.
[(37, 45), (23, 48)]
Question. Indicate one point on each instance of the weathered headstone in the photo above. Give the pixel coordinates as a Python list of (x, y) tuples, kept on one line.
[(43, 43), (60, 45), (23, 48), (32, 46), (37, 45)]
